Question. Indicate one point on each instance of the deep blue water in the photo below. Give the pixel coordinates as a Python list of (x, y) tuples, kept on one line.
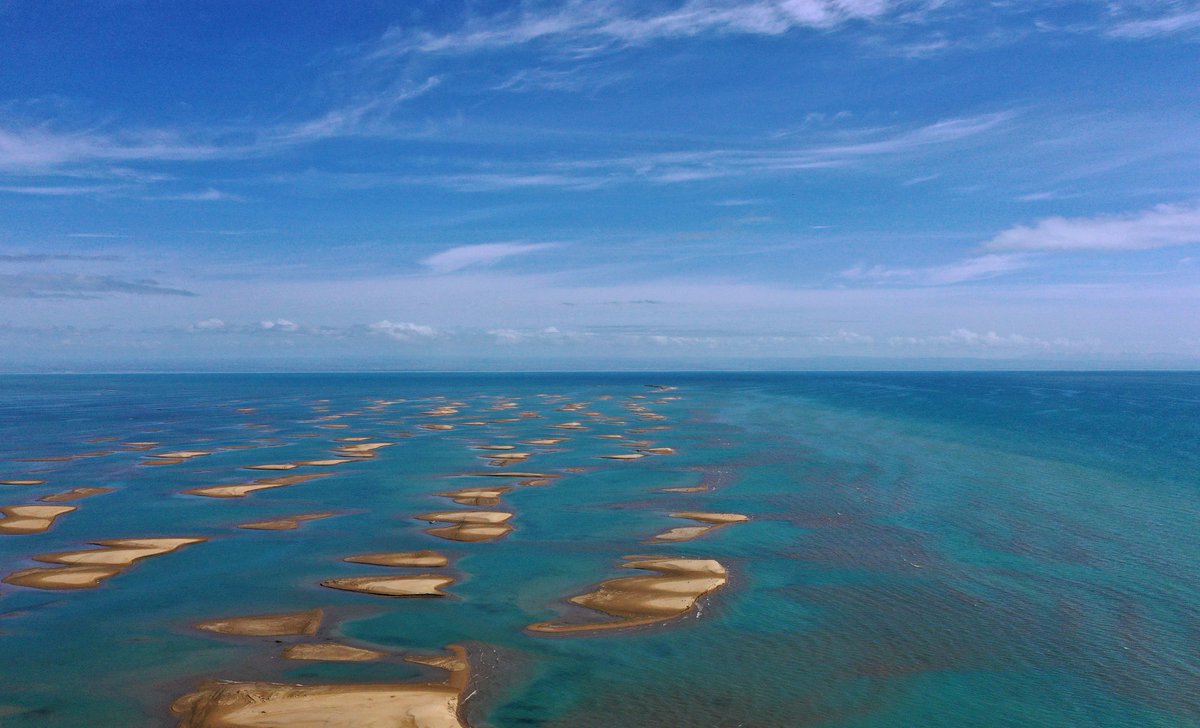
[(995, 549)]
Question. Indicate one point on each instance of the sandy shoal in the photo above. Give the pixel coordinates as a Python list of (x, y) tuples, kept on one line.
[(671, 591), (285, 524), (19, 520), (419, 585), (74, 494), (267, 625), (331, 652), (425, 559)]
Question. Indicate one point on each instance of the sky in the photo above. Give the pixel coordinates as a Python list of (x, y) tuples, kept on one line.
[(584, 185)]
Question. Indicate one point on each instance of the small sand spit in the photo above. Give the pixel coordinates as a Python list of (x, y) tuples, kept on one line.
[(420, 585), (86, 569), (267, 625), (687, 533), (642, 600), (19, 520), (424, 559), (241, 490), (270, 705), (477, 496), (331, 652), (74, 494), (285, 524)]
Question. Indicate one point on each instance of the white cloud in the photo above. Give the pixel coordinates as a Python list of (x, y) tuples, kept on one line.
[(968, 339), (846, 337), (209, 324), (283, 325), (1160, 227), (469, 256), (402, 330), (970, 269), (1171, 24), (586, 27)]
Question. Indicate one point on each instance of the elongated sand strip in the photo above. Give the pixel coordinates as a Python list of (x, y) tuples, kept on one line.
[(19, 520), (544, 441), (271, 705), (425, 559), (362, 449), (477, 496), (509, 474), (267, 625), (420, 585), (658, 450), (181, 454), (285, 524), (22, 482), (331, 652), (86, 569), (62, 577), (624, 456), (435, 427), (326, 463), (507, 455), (469, 526), (491, 517), (641, 600), (495, 447), (687, 533), (241, 490), (74, 494), (685, 489)]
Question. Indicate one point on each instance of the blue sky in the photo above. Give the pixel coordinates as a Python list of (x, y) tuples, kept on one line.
[(768, 183)]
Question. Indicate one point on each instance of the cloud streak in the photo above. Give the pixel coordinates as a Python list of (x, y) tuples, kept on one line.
[(1160, 227), (478, 256), (56, 285), (970, 269)]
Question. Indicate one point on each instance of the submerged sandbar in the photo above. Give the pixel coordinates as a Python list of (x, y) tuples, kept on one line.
[(641, 600)]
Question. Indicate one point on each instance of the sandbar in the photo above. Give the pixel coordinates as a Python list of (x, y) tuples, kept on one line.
[(641, 600), (467, 516), (74, 494), (62, 577), (401, 558), (624, 456), (22, 482), (241, 490), (477, 496), (285, 524), (713, 521), (17, 520), (420, 585), (181, 454), (428, 426), (362, 449), (267, 625), (544, 441), (274, 466), (509, 474), (331, 652), (270, 705)]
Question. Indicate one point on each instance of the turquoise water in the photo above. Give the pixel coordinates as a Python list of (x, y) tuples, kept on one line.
[(924, 549)]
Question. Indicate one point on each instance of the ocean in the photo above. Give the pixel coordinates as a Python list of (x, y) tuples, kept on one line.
[(922, 549)]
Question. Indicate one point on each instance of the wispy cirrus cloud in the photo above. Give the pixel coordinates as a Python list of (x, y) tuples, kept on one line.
[(962, 271), (65, 285), (582, 28), (485, 254), (1159, 227)]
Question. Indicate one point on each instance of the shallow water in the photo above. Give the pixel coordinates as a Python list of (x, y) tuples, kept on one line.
[(924, 549)]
